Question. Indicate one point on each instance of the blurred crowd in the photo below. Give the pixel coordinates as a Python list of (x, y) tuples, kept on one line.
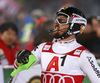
[(24, 25)]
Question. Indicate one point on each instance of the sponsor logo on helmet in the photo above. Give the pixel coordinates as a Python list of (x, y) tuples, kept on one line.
[(65, 8), (80, 20)]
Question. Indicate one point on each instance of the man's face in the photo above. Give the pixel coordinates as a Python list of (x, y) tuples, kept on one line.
[(8, 37), (60, 29)]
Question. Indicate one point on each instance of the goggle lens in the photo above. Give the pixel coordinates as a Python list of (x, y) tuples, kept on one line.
[(62, 21)]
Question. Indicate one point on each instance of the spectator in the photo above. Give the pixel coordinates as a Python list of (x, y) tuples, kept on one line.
[(3, 19), (91, 36), (38, 18), (43, 35), (8, 45), (29, 45), (37, 14), (25, 26), (40, 33)]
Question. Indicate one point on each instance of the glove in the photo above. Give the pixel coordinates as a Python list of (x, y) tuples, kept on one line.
[(22, 58)]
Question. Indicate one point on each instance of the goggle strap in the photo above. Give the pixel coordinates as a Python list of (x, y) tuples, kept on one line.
[(79, 20), (63, 13), (71, 26), (70, 20)]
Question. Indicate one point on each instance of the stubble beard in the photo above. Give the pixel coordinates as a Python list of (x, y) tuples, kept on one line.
[(56, 35)]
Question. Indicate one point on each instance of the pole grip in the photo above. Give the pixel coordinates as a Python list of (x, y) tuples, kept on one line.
[(31, 62)]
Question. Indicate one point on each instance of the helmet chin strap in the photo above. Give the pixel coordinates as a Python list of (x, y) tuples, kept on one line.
[(69, 32), (65, 35)]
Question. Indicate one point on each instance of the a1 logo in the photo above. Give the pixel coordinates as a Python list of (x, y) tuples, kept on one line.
[(54, 63)]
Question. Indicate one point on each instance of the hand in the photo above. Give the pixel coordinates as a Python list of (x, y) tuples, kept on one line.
[(23, 56)]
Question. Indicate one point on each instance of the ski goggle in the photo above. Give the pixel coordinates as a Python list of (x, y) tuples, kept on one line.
[(62, 20), (67, 19)]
